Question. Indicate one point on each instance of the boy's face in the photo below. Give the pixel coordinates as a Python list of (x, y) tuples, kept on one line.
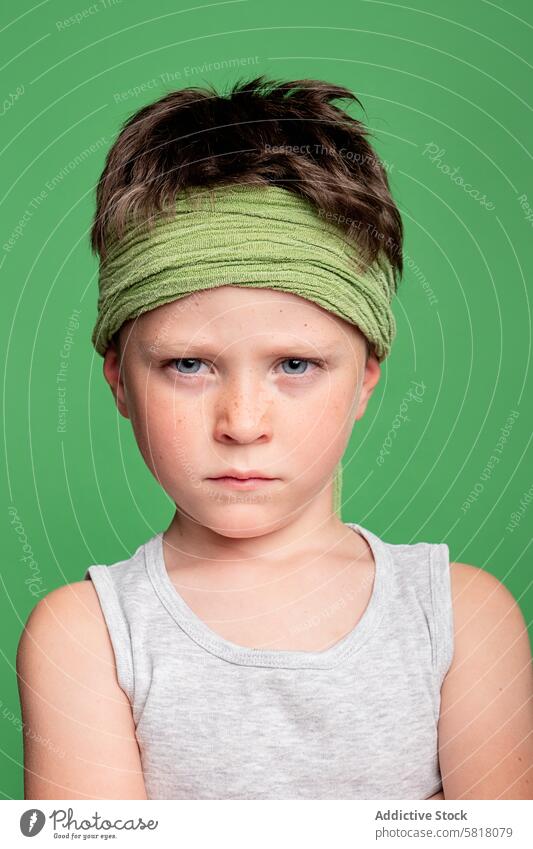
[(221, 380)]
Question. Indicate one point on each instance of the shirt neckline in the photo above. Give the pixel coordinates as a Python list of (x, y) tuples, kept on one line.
[(214, 643)]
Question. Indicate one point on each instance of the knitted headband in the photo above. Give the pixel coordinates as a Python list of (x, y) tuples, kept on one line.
[(266, 237)]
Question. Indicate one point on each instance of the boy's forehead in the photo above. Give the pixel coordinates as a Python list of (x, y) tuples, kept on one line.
[(227, 310)]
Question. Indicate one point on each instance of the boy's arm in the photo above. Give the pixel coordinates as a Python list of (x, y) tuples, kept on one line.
[(486, 718), (79, 734)]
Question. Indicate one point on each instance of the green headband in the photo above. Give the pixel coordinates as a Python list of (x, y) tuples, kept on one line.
[(264, 237)]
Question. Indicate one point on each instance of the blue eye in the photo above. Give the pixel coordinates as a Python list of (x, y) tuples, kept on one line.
[(186, 360), (294, 360)]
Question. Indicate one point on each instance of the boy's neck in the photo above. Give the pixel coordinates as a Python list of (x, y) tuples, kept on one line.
[(315, 530)]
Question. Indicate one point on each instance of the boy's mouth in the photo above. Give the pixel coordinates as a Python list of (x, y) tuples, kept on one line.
[(242, 480), (236, 474)]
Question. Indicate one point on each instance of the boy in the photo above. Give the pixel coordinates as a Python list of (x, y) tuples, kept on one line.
[(260, 647)]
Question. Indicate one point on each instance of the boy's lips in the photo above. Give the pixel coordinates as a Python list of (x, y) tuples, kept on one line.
[(242, 480), (236, 474), (246, 483)]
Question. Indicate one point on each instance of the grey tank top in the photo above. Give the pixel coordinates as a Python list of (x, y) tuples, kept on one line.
[(216, 720)]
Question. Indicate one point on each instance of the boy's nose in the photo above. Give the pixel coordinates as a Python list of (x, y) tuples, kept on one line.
[(242, 412)]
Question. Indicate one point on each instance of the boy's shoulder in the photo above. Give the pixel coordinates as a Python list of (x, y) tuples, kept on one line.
[(481, 604), (78, 596), (70, 614), (472, 585), (70, 693), (485, 723)]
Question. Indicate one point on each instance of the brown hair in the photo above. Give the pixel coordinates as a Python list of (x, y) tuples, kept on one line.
[(263, 131)]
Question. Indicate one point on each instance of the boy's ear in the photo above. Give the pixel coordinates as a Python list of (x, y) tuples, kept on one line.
[(113, 373), (370, 378)]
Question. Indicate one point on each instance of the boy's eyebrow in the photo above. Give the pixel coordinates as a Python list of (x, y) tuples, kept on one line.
[(193, 344)]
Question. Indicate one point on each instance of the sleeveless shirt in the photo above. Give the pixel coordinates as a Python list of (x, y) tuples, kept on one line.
[(218, 720)]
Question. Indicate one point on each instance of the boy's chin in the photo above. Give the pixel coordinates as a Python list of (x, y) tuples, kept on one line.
[(245, 519)]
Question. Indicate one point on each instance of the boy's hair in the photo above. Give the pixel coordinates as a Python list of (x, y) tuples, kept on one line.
[(262, 132)]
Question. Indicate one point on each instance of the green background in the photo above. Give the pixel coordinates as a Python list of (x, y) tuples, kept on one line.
[(457, 80)]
